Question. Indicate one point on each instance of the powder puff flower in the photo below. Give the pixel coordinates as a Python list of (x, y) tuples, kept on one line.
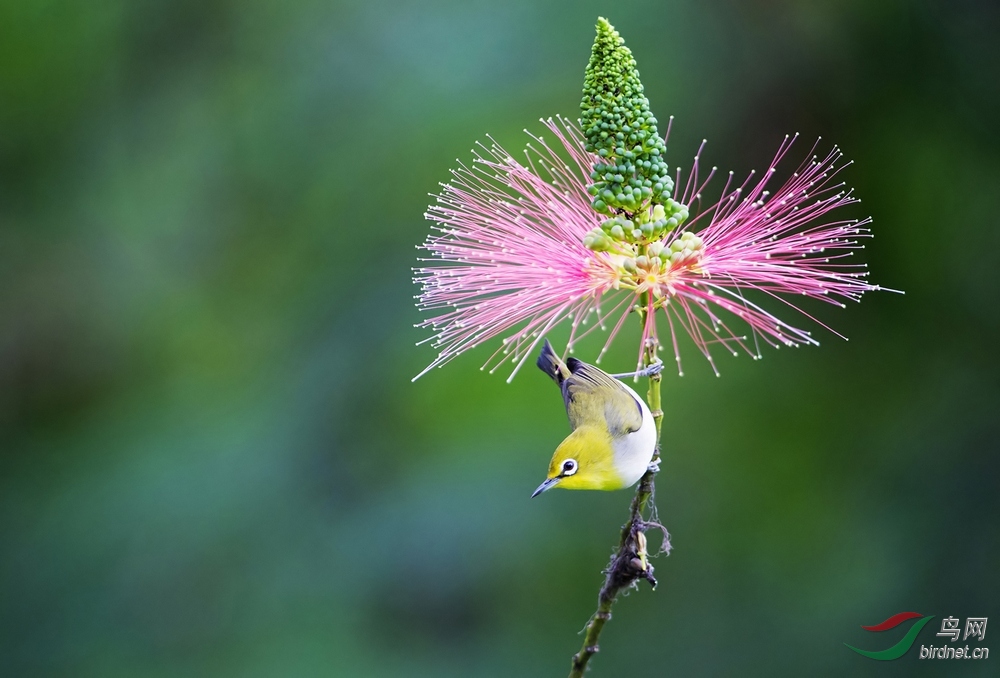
[(586, 231), (510, 257)]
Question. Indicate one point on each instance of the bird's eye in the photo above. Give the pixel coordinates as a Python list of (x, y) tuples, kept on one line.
[(569, 467)]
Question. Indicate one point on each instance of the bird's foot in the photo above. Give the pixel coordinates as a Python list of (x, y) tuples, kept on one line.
[(654, 466), (653, 369)]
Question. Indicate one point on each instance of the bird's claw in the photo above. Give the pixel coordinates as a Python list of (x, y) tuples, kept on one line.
[(654, 466), (655, 368), (648, 371)]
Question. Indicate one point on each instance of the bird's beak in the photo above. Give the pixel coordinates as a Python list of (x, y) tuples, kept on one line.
[(548, 484)]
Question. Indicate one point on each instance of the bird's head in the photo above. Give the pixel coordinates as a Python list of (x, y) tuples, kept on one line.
[(584, 461)]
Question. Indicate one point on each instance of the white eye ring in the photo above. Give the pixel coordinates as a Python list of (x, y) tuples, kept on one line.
[(569, 467)]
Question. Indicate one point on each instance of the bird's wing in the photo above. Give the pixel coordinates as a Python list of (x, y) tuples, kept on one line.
[(591, 395)]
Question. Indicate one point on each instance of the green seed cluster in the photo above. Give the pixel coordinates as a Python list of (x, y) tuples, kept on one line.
[(648, 226), (683, 248), (621, 130)]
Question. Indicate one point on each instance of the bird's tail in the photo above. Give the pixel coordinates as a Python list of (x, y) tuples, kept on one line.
[(550, 363)]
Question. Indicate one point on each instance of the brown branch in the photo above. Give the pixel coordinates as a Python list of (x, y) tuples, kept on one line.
[(625, 569), (630, 563)]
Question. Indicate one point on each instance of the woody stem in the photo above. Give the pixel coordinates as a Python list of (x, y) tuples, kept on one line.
[(628, 564)]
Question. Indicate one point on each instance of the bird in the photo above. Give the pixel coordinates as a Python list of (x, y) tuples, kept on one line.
[(614, 434)]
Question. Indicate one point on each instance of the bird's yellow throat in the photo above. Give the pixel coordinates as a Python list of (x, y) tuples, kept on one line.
[(591, 448)]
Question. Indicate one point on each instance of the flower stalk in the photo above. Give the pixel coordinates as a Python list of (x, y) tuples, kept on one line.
[(633, 187), (630, 562)]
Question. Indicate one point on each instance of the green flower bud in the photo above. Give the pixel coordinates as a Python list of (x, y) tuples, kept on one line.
[(601, 244), (614, 108)]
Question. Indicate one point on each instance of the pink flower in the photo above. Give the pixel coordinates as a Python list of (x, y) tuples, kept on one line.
[(510, 256)]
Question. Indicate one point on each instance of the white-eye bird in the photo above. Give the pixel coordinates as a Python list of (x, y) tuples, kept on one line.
[(613, 436)]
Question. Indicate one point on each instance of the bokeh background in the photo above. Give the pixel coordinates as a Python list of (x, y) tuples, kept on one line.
[(213, 462)]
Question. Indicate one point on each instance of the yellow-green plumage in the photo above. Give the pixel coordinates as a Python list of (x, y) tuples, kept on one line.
[(613, 432), (591, 447)]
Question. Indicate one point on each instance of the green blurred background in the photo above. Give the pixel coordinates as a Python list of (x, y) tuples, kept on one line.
[(212, 460)]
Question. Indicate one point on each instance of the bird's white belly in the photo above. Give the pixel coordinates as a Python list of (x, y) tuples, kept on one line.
[(634, 452)]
